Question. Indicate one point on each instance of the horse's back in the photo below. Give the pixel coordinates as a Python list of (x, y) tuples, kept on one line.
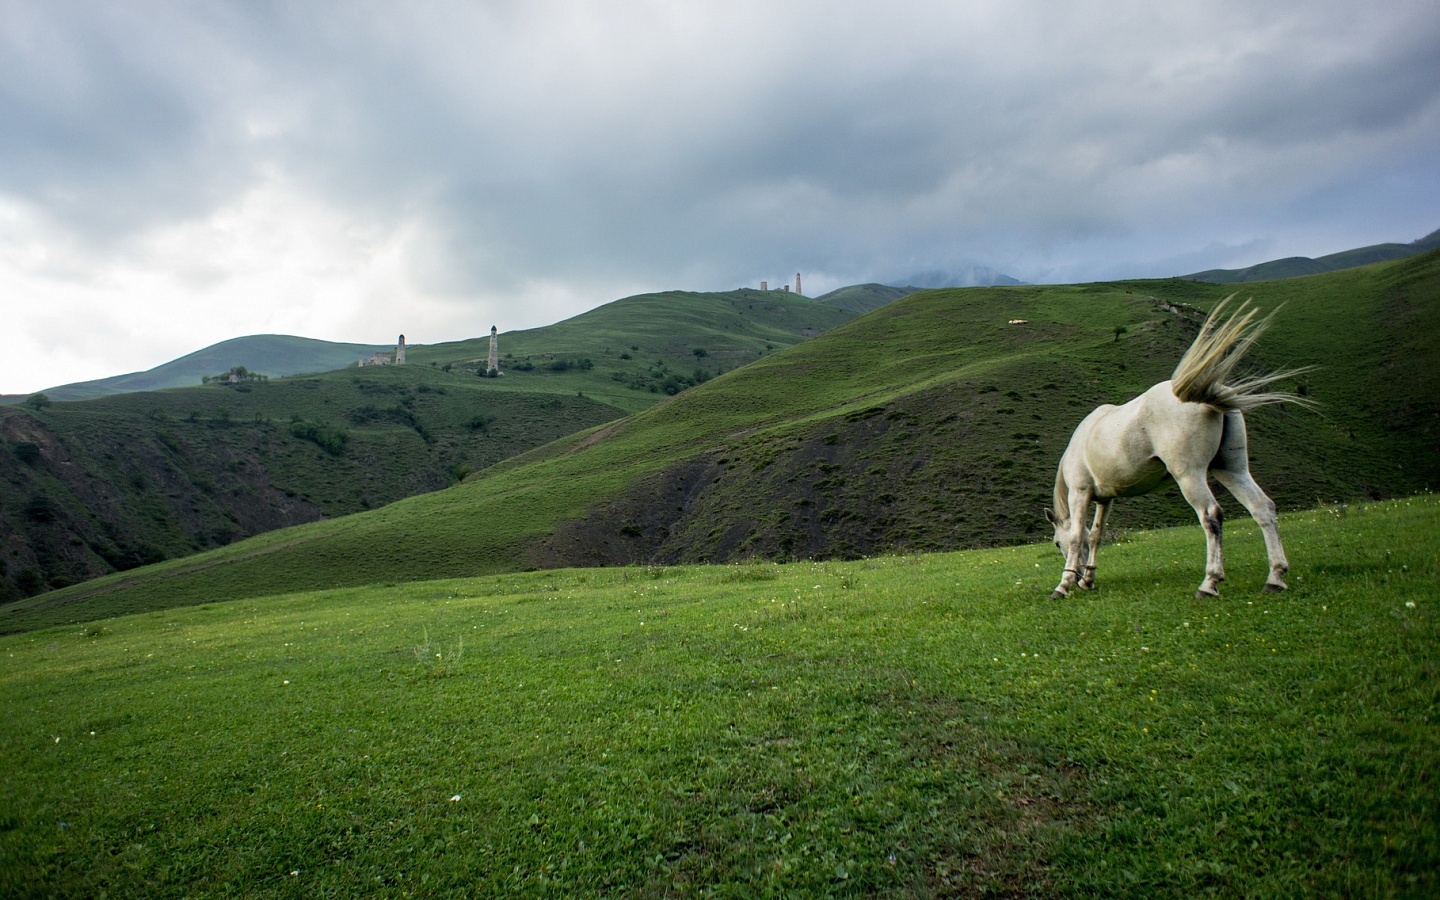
[(1126, 450)]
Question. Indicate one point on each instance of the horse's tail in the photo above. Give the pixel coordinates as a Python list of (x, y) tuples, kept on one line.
[(1203, 375)]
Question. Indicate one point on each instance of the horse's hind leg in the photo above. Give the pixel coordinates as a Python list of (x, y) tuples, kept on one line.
[(1202, 500), (1087, 571), (1262, 509), (1232, 469)]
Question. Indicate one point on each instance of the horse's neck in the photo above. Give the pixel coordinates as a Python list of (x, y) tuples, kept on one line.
[(1062, 495)]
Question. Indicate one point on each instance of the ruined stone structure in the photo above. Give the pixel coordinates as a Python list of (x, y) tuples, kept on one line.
[(765, 285), (493, 364), (387, 359)]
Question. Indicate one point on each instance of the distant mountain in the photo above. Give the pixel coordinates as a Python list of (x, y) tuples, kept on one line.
[(963, 276), (862, 298), (275, 355), (1297, 266)]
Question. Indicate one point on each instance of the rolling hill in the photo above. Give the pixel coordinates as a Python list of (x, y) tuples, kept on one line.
[(932, 423), (119, 481), (276, 355), (1298, 266), (863, 298)]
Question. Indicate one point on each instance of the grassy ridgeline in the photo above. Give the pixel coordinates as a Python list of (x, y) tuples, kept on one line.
[(903, 725)]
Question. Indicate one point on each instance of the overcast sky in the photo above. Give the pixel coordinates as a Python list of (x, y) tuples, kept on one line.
[(173, 174)]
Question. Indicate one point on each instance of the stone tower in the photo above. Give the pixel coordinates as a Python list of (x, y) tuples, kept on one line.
[(493, 365), (764, 285), (797, 282), (400, 351)]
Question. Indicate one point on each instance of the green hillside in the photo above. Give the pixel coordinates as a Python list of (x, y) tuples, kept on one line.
[(1299, 266), (274, 355), (102, 485), (933, 423), (108, 484), (863, 298), (907, 726), (633, 352)]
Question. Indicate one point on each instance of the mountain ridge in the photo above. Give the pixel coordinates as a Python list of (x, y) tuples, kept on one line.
[(1300, 266), (933, 423), (275, 355)]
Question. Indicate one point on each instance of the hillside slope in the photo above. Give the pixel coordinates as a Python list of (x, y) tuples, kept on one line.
[(111, 483), (635, 351), (932, 423), (863, 298)]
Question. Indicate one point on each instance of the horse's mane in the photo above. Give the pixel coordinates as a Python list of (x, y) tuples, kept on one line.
[(1204, 372)]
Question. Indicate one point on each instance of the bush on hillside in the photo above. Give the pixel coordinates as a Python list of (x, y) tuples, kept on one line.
[(331, 440)]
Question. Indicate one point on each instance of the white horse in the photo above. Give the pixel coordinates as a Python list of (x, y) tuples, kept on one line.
[(1186, 428)]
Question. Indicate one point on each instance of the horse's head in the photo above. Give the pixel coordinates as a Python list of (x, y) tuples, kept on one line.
[(1061, 528)]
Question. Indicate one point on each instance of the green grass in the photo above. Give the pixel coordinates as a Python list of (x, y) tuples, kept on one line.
[(904, 725)]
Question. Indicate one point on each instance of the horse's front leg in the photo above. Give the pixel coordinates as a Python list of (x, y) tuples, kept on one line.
[(1087, 568), (1202, 500), (1074, 546)]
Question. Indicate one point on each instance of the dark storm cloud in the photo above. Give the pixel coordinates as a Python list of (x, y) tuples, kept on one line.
[(706, 145)]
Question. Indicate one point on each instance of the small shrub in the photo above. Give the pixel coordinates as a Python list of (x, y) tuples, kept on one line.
[(331, 440), (39, 508), (30, 581)]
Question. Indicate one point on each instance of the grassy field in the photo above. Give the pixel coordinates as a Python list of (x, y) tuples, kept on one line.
[(903, 726)]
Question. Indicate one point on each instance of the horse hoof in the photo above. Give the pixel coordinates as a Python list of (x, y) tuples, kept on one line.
[(1059, 595), (1206, 595), (1273, 588)]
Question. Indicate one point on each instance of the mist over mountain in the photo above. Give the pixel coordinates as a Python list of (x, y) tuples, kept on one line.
[(958, 276)]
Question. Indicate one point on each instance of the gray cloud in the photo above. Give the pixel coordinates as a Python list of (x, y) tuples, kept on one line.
[(590, 147)]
